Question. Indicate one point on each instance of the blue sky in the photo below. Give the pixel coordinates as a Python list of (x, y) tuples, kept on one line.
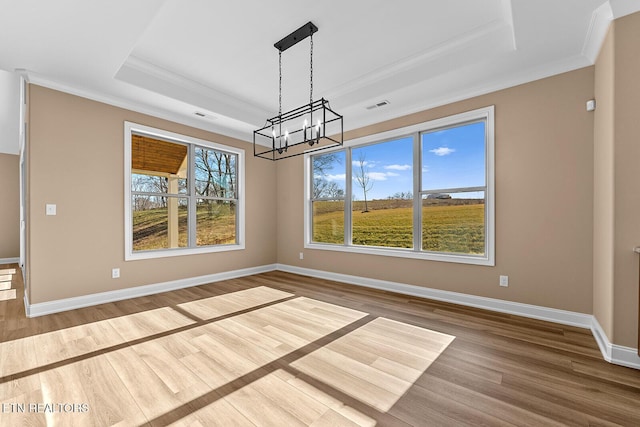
[(389, 167), (452, 158)]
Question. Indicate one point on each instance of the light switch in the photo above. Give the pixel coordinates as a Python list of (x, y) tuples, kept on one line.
[(51, 209)]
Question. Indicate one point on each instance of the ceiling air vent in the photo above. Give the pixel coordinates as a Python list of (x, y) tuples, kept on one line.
[(207, 116), (378, 105)]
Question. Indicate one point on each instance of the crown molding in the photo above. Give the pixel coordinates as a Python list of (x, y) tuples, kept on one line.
[(507, 17), (40, 80), (496, 84), (147, 75), (496, 28), (601, 18), (622, 8)]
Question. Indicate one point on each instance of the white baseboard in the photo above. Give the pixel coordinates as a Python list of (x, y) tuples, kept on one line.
[(613, 353), (527, 310), (619, 355), (26, 305), (9, 260), (616, 354), (49, 307)]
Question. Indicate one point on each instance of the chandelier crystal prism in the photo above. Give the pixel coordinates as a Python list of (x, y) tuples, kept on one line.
[(310, 127)]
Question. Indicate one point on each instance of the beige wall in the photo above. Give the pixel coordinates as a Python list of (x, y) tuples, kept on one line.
[(10, 206), (544, 202), (76, 160), (627, 184), (616, 186), (603, 190)]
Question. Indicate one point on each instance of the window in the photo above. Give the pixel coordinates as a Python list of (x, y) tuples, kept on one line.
[(327, 197), (453, 189), (382, 188), (425, 191), (182, 195)]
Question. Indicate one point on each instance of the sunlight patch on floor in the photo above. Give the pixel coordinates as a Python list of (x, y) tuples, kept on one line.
[(378, 362), (298, 361), (209, 308), (8, 294), (6, 278)]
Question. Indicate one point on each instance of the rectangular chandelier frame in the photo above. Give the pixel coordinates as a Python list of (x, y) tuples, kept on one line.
[(311, 127)]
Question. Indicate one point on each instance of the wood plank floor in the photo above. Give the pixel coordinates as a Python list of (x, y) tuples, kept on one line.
[(277, 349)]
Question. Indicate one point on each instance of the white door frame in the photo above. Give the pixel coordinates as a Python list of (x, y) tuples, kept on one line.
[(23, 176)]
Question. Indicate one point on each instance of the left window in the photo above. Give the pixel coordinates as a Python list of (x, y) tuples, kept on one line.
[(182, 195)]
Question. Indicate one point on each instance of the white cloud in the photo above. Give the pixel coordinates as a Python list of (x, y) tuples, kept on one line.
[(398, 167), (365, 163), (442, 151), (336, 177), (377, 176)]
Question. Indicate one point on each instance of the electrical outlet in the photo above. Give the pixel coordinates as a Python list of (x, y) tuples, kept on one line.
[(504, 281), (301, 255), (115, 273)]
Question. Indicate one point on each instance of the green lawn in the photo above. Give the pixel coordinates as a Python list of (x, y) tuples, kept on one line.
[(215, 226), (454, 225)]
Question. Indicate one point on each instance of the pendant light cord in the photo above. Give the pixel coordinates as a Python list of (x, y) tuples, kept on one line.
[(280, 84), (311, 71)]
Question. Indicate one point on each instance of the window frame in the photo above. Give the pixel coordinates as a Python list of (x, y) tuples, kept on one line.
[(347, 190), (485, 114), (131, 128)]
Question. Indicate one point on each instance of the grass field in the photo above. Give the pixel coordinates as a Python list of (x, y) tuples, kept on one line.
[(215, 225), (453, 225)]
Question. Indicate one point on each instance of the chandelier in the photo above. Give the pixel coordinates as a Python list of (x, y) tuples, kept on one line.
[(310, 127)]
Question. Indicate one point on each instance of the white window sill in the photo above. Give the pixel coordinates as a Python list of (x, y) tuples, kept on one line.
[(405, 253), (164, 253)]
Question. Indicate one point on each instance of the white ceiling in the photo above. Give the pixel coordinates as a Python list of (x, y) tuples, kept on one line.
[(171, 58)]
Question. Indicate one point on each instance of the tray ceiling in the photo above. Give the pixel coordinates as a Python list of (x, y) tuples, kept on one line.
[(174, 58)]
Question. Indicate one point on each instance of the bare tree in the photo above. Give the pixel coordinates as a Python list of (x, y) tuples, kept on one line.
[(363, 178), (322, 187), (333, 191), (319, 187), (322, 164), (149, 184), (215, 173), (204, 185)]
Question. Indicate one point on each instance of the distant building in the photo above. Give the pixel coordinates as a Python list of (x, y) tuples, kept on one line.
[(439, 196)]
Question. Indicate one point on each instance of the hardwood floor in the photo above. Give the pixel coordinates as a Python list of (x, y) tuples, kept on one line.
[(277, 349)]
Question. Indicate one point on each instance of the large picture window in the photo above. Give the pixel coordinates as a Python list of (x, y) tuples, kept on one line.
[(182, 195), (425, 191)]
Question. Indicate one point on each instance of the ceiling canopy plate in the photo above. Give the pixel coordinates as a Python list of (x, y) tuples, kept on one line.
[(297, 36)]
